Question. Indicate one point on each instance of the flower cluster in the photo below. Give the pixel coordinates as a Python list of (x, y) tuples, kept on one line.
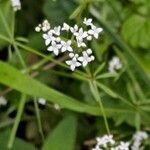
[(138, 139), (16, 4), (76, 46), (3, 101), (107, 142), (114, 64)]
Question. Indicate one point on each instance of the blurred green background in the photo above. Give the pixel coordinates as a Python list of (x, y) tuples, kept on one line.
[(125, 96)]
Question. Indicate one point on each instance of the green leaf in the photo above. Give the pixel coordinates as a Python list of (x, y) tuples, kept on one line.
[(76, 12), (7, 20), (136, 31), (19, 144), (51, 8), (63, 136), (107, 90), (9, 76)]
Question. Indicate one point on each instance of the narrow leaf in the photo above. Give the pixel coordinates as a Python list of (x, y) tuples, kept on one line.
[(63, 136)]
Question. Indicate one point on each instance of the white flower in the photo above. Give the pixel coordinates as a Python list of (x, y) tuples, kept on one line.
[(3, 101), (88, 22), (137, 139), (95, 31), (140, 135), (80, 42), (86, 58), (81, 34), (16, 4), (73, 63), (74, 29), (42, 101), (123, 146), (114, 64), (66, 46), (48, 38), (106, 139), (54, 48), (56, 30), (45, 26), (65, 27)]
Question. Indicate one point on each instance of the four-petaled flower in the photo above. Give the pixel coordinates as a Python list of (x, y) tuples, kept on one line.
[(80, 43), (74, 29), (55, 48), (65, 27), (48, 38), (56, 30), (66, 46), (95, 31), (73, 63), (114, 64), (86, 58), (88, 22), (81, 34)]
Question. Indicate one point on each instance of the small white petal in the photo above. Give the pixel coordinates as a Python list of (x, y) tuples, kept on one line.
[(70, 49), (92, 58), (50, 48), (71, 55), (89, 51), (81, 59), (84, 63), (63, 49), (56, 52), (78, 64), (47, 42), (72, 67), (89, 38), (96, 35), (91, 32), (68, 62)]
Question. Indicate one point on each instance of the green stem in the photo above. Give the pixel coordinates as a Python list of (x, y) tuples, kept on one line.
[(38, 118), (19, 55), (5, 38), (97, 97), (17, 121), (29, 49), (137, 87)]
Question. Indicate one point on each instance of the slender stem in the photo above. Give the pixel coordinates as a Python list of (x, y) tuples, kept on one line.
[(38, 118), (19, 55), (13, 24), (27, 48), (97, 97), (137, 87), (17, 121), (5, 38)]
